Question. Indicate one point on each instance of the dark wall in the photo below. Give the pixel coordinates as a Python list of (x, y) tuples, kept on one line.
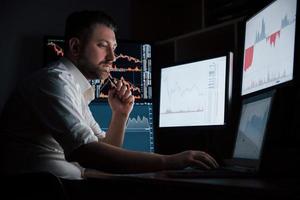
[(25, 23), (159, 20)]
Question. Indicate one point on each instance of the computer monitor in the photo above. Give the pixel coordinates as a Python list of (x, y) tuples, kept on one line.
[(195, 93), (269, 47), (133, 65), (139, 134)]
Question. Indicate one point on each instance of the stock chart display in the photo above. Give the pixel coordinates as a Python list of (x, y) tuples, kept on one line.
[(193, 94), (133, 66), (269, 47), (139, 128)]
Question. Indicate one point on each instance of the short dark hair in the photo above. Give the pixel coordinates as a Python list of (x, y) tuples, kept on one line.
[(80, 24)]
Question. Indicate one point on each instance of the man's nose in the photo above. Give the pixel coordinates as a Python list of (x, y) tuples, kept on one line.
[(111, 55)]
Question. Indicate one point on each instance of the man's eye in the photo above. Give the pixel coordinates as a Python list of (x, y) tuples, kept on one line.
[(102, 45)]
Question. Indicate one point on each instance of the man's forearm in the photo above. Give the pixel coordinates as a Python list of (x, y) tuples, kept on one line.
[(113, 159), (116, 130)]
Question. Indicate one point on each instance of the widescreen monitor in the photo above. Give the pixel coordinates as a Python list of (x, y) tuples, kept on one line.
[(195, 93), (133, 65), (269, 47)]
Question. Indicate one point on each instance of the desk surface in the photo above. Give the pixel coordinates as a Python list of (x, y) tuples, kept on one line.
[(251, 188)]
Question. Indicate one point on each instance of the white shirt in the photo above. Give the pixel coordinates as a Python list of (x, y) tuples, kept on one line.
[(48, 118)]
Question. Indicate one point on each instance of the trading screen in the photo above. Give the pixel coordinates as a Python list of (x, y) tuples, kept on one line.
[(269, 47)]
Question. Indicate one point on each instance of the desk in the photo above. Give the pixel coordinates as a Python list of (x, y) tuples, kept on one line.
[(158, 186)]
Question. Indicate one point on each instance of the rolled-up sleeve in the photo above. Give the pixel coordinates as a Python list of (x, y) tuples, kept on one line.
[(94, 125)]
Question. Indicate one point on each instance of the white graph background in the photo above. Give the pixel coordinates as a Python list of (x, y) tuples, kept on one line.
[(193, 94), (269, 47)]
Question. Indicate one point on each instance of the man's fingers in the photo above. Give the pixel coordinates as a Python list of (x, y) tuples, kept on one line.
[(204, 157), (201, 164), (129, 100)]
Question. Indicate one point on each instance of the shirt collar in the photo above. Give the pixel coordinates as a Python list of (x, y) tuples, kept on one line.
[(85, 86)]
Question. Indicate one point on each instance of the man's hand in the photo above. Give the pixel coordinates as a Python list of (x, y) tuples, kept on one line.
[(121, 99), (198, 159)]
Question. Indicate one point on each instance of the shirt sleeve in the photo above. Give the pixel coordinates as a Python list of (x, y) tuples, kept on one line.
[(57, 102), (99, 133)]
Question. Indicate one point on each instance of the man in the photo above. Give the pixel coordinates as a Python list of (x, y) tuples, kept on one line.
[(47, 124)]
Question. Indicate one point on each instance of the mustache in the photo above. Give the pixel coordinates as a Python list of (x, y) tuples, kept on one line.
[(106, 63)]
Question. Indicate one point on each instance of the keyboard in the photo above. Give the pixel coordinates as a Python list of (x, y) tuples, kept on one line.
[(213, 173)]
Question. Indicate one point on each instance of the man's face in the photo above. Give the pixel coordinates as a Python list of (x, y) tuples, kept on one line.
[(97, 55)]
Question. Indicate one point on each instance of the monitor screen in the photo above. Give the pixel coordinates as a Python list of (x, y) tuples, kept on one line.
[(269, 47), (133, 65), (194, 93), (139, 128), (252, 126)]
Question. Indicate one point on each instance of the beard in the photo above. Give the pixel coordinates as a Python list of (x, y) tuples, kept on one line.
[(92, 71)]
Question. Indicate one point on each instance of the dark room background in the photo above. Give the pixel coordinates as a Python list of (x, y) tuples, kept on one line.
[(177, 30)]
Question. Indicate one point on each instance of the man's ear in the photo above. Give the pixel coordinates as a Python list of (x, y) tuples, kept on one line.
[(74, 46)]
